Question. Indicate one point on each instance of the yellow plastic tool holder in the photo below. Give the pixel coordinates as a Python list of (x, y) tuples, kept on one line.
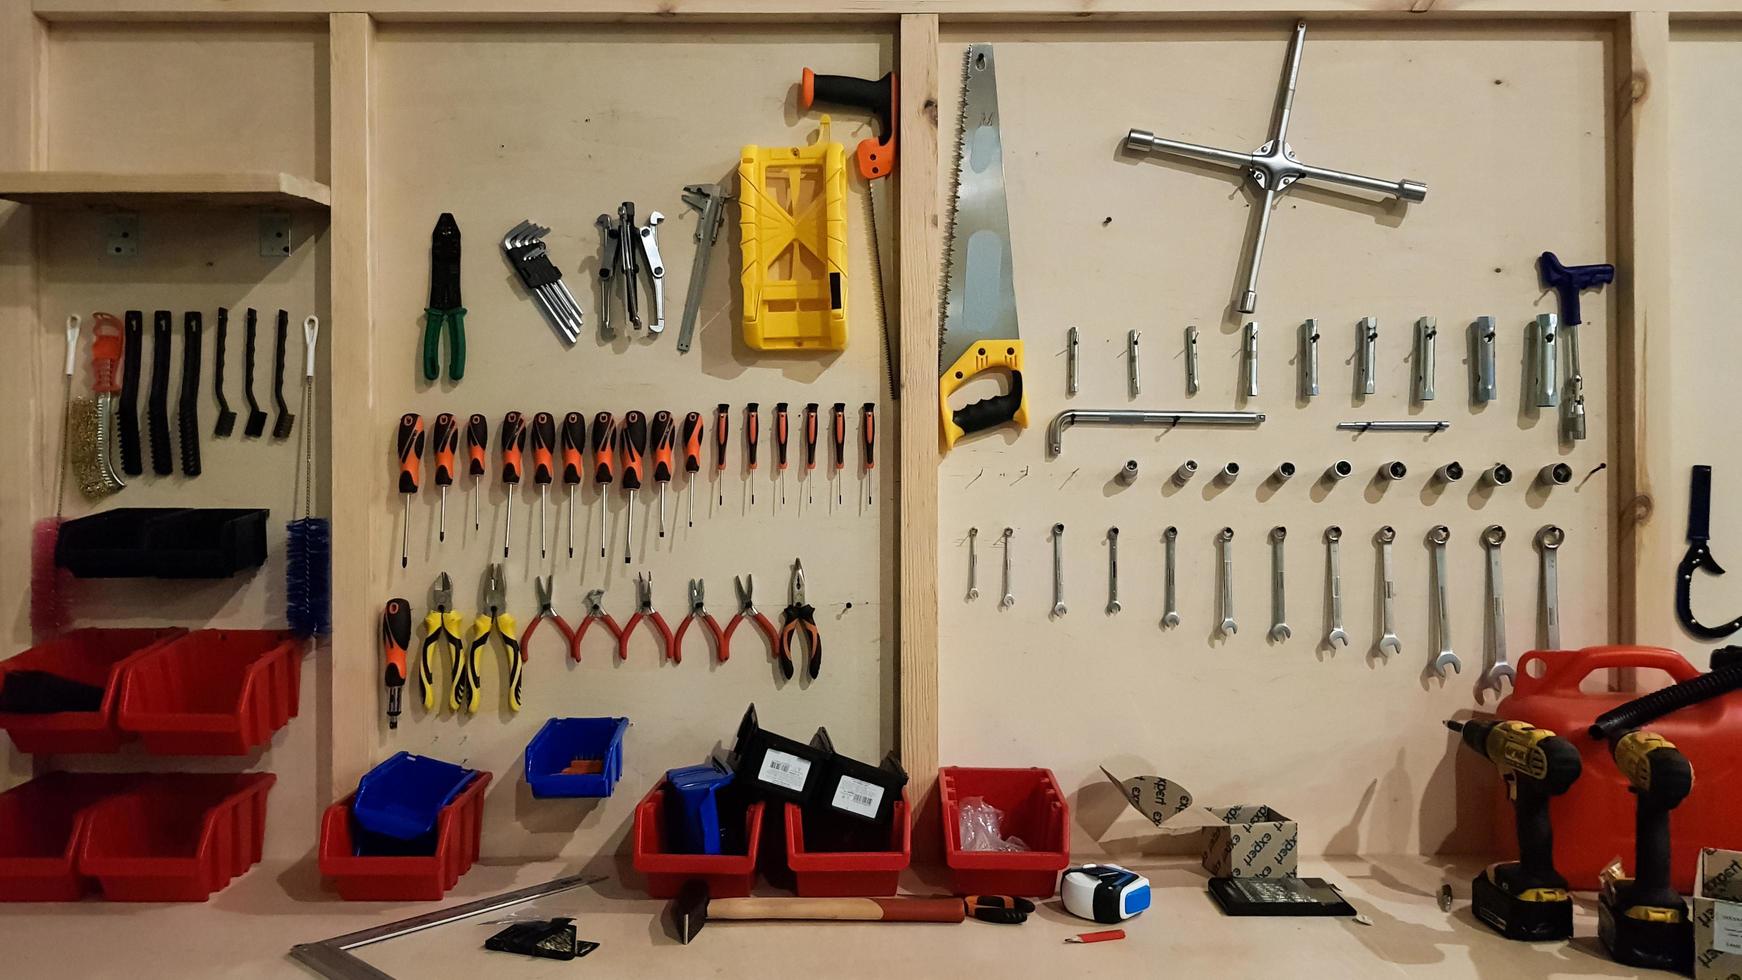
[(792, 223)]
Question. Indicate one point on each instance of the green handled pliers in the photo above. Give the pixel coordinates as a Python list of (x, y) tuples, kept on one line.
[(444, 313)]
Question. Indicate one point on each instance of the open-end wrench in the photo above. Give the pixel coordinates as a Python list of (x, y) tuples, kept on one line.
[(1279, 630), (1170, 612), (1436, 539), (1058, 569), (1548, 541), (1112, 570), (973, 565), (1388, 644), (1334, 582), (1226, 536), (1492, 538), (1009, 597)]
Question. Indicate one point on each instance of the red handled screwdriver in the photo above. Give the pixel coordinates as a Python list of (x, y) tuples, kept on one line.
[(722, 433), (838, 431), (692, 456), (661, 441), (477, 441), (752, 435), (395, 641), (513, 443), (446, 439), (574, 436), (780, 447), (543, 466), (410, 442), (868, 448), (632, 444), (604, 440), (810, 449)]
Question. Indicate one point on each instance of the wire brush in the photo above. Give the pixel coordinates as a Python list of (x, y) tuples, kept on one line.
[(308, 550)]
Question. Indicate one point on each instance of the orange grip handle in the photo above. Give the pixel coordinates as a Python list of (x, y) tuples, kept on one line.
[(604, 438), (752, 430), (447, 439), (477, 441), (543, 447), (106, 347), (632, 443), (396, 639), (692, 442), (780, 435), (722, 433), (410, 443), (838, 432), (663, 434), (574, 436), (879, 96), (513, 443), (810, 436), (868, 434)]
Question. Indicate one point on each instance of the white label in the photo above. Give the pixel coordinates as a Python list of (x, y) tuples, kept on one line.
[(858, 796), (1727, 927), (781, 769)]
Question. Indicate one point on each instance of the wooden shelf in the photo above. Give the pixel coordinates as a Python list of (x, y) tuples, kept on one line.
[(144, 192)]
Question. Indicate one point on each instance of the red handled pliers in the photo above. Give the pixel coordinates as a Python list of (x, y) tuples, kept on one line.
[(595, 613), (746, 587), (697, 592), (644, 610), (544, 586)]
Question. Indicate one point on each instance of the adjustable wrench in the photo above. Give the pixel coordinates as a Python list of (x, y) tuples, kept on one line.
[(1548, 541), (1112, 570), (1388, 644), (1009, 598), (1279, 630), (1334, 582), (1492, 538), (973, 565), (1170, 615), (1437, 538), (1058, 569), (1226, 536)]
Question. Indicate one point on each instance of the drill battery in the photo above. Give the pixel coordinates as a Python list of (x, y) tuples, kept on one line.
[(1655, 937), (1535, 915)]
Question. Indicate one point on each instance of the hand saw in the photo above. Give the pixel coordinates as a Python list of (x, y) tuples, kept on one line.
[(979, 329)]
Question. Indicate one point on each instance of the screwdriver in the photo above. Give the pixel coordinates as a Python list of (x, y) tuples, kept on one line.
[(752, 435), (513, 442), (395, 641), (574, 436), (446, 439), (410, 442), (722, 431), (868, 448), (477, 440), (543, 469), (810, 449), (780, 447), (838, 430), (632, 443), (662, 445), (604, 439), (692, 456)]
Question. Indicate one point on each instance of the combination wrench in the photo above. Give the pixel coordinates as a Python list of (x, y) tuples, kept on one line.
[(1334, 583), (973, 565), (1226, 537), (1058, 569), (1437, 538), (1548, 540), (1009, 597), (1492, 538), (1112, 570), (1388, 643), (1279, 630), (1170, 614)]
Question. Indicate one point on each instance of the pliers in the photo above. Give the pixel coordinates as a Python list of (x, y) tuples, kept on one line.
[(442, 629), (697, 593), (799, 618), (494, 620), (643, 610), (746, 589), (595, 613), (543, 586), (444, 313)]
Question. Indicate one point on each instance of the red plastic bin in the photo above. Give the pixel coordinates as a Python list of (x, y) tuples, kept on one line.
[(834, 874), (1034, 810), (213, 692), (99, 657), (176, 837), (409, 878), (42, 823), (727, 875)]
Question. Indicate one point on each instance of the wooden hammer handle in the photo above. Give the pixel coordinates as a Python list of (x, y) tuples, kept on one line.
[(840, 909)]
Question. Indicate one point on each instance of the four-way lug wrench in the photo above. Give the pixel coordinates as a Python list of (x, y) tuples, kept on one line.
[(1548, 541), (1436, 539), (1279, 630), (1499, 669), (1058, 570), (527, 253), (1170, 606), (1388, 643), (1226, 537), (1335, 633)]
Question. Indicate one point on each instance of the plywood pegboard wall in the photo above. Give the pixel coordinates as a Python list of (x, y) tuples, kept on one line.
[(1343, 741)]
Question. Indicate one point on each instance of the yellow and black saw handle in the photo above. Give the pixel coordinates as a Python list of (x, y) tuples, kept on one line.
[(987, 413)]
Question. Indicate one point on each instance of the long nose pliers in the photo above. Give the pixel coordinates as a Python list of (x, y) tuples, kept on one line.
[(799, 618)]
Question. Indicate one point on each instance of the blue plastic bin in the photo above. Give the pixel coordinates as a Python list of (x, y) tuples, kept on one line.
[(402, 797), (563, 740)]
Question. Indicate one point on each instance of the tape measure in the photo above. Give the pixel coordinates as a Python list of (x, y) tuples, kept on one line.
[(1104, 892)]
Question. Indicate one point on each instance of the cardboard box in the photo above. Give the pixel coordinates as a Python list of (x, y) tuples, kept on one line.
[(1717, 911), (1251, 841)]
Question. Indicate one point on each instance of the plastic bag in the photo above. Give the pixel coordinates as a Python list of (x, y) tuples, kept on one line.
[(981, 826)]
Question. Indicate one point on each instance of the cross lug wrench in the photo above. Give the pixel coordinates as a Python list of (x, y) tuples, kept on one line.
[(1388, 642), (1437, 538), (1279, 630), (1492, 538)]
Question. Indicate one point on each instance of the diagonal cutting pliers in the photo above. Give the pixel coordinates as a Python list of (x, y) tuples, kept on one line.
[(595, 614), (644, 610), (543, 586), (698, 593), (444, 313), (493, 620), (746, 589), (799, 619), (442, 631)]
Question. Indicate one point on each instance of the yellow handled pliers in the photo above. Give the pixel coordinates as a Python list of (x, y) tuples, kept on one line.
[(495, 620), (441, 629)]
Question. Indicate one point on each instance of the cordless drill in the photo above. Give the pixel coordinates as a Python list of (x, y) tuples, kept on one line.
[(1642, 920), (1525, 899)]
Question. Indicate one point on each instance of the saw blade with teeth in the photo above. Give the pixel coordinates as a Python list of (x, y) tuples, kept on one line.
[(979, 300)]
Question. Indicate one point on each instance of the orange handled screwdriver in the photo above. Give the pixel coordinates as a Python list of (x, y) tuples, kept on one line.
[(543, 466), (780, 447), (663, 435), (692, 455), (395, 641), (446, 439), (810, 448), (574, 436), (632, 444), (752, 435), (410, 443), (838, 431), (868, 447), (604, 440), (513, 442), (477, 440), (722, 433)]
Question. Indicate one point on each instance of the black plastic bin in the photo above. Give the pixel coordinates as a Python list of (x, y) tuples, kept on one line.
[(163, 542)]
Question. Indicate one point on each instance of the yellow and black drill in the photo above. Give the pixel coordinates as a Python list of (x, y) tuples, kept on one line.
[(1525, 899), (1642, 920)]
